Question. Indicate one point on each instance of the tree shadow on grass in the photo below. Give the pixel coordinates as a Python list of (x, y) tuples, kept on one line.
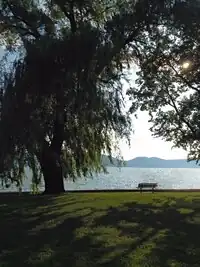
[(31, 229), (132, 234), (172, 239)]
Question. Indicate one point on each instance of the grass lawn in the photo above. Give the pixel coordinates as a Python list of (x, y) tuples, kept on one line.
[(100, 229)]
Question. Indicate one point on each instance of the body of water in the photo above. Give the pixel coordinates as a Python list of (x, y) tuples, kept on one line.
[(128, 178)]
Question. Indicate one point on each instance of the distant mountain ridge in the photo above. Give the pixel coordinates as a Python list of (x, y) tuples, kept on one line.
[(154, 162), (145, 162)]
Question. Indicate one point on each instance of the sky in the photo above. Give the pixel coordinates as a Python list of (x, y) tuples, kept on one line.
[(142, 142)]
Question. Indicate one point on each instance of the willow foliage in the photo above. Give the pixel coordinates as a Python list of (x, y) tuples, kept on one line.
[(61, 101)]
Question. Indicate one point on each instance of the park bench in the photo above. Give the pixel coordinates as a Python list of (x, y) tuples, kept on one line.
[(147, 185)]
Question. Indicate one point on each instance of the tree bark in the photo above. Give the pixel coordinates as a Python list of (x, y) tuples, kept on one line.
[(53, 175), (51, 169), (50, 154)]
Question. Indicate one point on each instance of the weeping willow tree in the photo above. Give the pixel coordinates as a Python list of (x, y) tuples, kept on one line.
[(61, 96)]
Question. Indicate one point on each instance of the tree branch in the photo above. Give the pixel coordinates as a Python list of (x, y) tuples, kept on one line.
[(18, 29), (69, 15), (184, 79), (21, 18), (115, 51), (176, 72), (178, 113)]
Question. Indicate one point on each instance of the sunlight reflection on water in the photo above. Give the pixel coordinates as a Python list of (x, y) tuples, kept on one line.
[(128, 178)]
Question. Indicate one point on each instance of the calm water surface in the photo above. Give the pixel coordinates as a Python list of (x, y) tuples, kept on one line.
[(127, 178)]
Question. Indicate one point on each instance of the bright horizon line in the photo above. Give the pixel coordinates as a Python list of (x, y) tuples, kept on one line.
[(149, 157), (155, 158)]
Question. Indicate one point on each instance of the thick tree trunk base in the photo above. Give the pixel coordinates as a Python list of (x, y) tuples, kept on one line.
[(53, 192), (52, 172), (53, 178), (54, 184)]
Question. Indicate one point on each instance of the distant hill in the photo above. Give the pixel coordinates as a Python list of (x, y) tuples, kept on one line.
[(145, 162)]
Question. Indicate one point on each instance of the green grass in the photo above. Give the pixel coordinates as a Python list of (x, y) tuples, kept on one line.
[(100, 229)]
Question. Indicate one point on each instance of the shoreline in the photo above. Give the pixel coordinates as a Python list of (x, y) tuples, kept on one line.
[(131, 190), (112, 191)]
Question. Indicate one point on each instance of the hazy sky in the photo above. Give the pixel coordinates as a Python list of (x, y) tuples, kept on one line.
[(142, 143)]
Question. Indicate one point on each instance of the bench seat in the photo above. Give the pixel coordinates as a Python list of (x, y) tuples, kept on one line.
[(147, 185)]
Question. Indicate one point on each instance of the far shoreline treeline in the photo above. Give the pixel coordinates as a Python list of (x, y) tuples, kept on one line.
[(150, 162)]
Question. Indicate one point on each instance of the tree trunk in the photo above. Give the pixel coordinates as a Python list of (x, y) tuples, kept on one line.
[(53, 175), (50, 155)]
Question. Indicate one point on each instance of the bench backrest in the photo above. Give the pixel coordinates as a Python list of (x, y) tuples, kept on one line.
[(147, 185)]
